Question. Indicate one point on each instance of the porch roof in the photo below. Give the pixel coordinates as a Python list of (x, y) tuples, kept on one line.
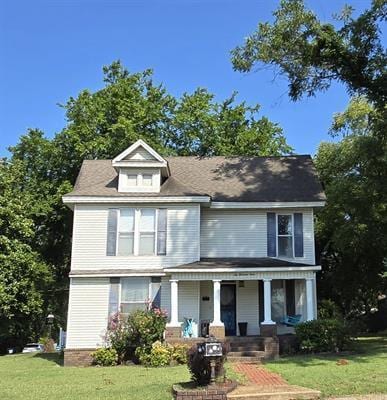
[(241, 264)]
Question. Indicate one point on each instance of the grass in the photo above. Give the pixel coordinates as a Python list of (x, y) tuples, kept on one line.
[(365, 373), (41, 377)]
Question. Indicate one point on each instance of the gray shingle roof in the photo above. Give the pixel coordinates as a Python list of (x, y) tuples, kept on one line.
[(246, 179)]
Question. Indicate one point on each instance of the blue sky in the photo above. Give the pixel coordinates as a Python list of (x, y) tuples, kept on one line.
[(52, 49)]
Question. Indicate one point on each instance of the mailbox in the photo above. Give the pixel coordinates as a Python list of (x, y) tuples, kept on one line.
[(213, 349)]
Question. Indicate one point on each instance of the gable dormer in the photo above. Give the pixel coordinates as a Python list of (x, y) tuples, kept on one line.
[(140, 169)]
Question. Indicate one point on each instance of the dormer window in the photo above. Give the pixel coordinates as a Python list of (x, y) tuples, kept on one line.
[(140, 169), (147, 180), (132, 180)]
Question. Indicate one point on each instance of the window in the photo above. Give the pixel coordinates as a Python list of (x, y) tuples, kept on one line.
[(134, 294), (126, 232), (147, 231), (137, 233), (132, 179), (147, 180), (285, 236)]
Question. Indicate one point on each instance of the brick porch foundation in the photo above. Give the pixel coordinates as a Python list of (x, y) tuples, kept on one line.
[(217, 331), (77, 357)]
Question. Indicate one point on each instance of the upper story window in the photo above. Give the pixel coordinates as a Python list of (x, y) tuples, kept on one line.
[(147, 234), (131, 180), (285, 235), (147, 179), (141, 231)]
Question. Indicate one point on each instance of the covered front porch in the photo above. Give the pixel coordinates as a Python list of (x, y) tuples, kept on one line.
[(228, 301)]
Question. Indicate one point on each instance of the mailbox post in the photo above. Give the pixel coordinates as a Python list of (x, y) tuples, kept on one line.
[(213, 350)]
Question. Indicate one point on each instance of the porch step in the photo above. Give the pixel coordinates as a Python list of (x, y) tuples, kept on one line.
[(246, 353), (245, 359), (248, 347), (273, 393)]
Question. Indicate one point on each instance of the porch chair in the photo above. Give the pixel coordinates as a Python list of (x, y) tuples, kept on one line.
[(291, 320)]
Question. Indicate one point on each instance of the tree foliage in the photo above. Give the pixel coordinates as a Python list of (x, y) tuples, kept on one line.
[(24, 276), (312, 53), (352, 227)]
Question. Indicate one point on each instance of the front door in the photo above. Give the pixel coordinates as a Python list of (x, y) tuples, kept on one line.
[(228, 308)]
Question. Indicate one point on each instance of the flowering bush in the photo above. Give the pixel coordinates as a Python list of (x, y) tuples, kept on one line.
[(140, 329), (118, 336), (146, 327), (105, 357)]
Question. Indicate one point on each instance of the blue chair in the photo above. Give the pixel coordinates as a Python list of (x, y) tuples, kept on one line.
[(188, 327), (292, 320)]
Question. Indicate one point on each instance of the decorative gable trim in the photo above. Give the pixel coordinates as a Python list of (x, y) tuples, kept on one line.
[(122, 157)]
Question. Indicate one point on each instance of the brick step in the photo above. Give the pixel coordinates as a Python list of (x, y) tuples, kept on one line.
[(273, 393), (245, 359), (250, 347), (244, 353), (246, 339)]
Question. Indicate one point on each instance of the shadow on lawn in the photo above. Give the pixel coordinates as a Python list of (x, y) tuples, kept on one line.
[(363, 350), (55, 358)]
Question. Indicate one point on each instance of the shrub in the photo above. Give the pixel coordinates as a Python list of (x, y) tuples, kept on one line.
[(199, 366), (329, 310), (159, 355), (322, 335), (180, 353), (118, 337), (146, 327), (105, 357)]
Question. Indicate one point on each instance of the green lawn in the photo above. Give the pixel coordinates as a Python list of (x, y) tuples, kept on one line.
[(365, 373), (40, 377)]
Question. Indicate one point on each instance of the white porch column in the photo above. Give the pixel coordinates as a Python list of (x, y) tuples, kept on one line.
[(267, 302), (174, 303), (216, 321), (309, 299)]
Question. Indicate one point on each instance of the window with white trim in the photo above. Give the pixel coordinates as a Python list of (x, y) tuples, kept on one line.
[(131, 179), (285, 235), (147, 180), (134, 294), (147, 232), (126, 232), (137, 232)]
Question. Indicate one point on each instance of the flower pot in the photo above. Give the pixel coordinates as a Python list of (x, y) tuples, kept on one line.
[(242, 328)]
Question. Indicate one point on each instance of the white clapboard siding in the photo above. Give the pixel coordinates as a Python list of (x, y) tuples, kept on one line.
[(247, 306), (139, 154), (189, 292), (90, 231), (206, 306), (88, 312), (243, 233)]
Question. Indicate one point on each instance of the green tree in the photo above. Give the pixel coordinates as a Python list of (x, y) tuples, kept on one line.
[(312, 54), (24, 277), (352, 227)]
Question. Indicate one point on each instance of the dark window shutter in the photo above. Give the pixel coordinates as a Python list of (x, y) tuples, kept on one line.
[(298, 236), (155, 294), (261, 307), (162, 231), (114, 295), (271, 235), (112, 224)]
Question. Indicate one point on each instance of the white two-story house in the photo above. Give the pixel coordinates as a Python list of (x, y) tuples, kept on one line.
[(223, 242)]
